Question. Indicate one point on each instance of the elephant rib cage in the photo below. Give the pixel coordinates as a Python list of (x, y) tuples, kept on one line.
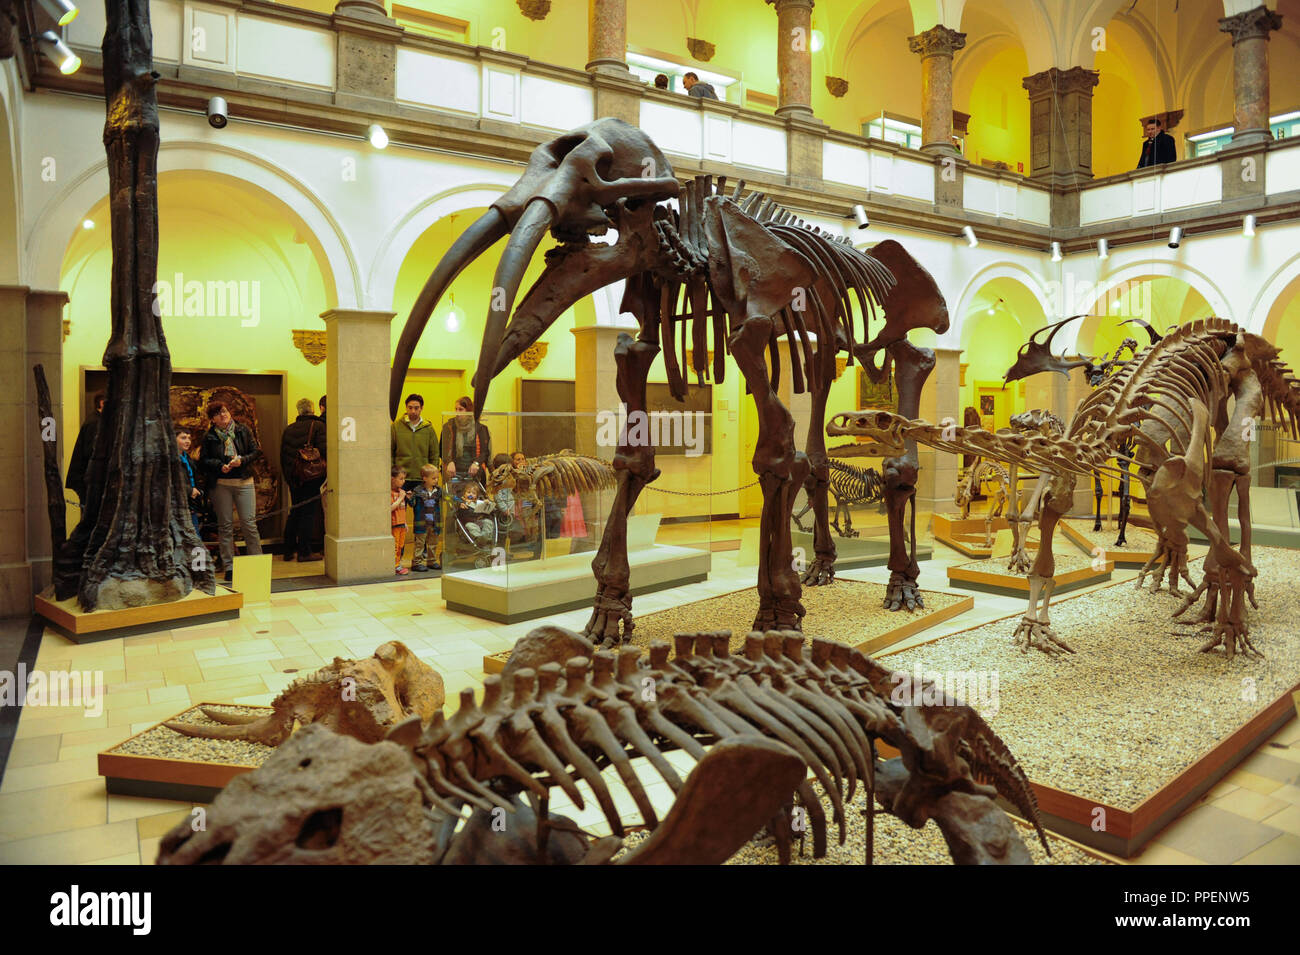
[(822, 312), (829, 707)]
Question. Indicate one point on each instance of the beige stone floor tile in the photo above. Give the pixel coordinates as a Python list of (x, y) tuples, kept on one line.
[(44, 775), (180, 676), (1289, 734), (33, 751), (180, 658), (148, 639), (73, 847), (1286, 819), (1284, 850), (1289, 794), (136, 652), (118, 697), (84, 750), (1250, 781), (169, 694), (68, 723), (302, 662), (130, 858), (223, 670), (137, 674), (49, 809), (1215, 835), (1250, 804), (106, 737), (154, 712), (156, 825), (1289, 753), (140, 807), (1156, 854)]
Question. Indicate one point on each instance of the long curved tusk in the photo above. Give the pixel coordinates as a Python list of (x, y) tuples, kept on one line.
[(472, 243), (524, 239)]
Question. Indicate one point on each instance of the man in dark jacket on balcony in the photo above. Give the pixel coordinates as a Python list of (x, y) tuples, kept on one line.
[(697, 89), (300, 529), (1158, 147)]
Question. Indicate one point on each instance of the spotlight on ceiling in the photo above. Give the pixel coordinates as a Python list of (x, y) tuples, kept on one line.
[(816, 41), (378, 138), (1056, 251), (969, 233), (1175, 237), (88, 223), (62, 11), (1248, 227), (860, 215), (218, 114), (52, 45), (1103, 249)]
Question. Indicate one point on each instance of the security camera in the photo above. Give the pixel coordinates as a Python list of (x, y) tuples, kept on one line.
[(217, 113)]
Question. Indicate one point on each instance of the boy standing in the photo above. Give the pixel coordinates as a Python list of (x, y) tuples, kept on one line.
[(398, 510), (195, 496), (427, 502)]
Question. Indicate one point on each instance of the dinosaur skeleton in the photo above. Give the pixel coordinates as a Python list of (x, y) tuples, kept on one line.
[(851, 487), (738, 272), (822, 711), (980, 472), (1172, 400)]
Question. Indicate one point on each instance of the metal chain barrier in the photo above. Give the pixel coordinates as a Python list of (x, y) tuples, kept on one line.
[(663, 490)]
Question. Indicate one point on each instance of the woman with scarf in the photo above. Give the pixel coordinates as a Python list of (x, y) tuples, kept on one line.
[(229, 450), (466, 445)]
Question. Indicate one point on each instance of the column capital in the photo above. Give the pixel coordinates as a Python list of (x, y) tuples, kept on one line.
[(1077, 79), (1253, 24), (937, 41), (781, 4), (356, 315)]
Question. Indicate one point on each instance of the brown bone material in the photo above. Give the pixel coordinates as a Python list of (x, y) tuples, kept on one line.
[(757, 724), (363, 699), (737, 273), (1171, 400)]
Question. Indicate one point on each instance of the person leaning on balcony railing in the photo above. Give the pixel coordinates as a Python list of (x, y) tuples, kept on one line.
[(1158, 147), (661, 81), (697, 89)]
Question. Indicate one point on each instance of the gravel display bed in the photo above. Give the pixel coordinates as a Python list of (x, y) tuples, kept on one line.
[(163, 743), (1136, 704), (848, 610), (1136, 539), (1066, 562)]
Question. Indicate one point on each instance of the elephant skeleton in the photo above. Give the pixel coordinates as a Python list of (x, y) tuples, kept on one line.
[(736, 271), (1171, 399)]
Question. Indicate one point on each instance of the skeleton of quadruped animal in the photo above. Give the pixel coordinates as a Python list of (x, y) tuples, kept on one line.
[(758, 724), (850, 487), (1172, 401), (736, 270), (976, 475)]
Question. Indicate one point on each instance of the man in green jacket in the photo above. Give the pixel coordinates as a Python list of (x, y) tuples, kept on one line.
[(415, 442)]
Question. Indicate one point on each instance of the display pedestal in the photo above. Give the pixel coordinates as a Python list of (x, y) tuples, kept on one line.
[(67, 617), (966, 534), (991, 576)]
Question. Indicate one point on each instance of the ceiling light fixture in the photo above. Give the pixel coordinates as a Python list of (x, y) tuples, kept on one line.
[(1248, 227), (860, 214), (1103, 249), (1056, 251), (378, 138), (1175, 237), (52, 45), (969, 233), (62, 11)]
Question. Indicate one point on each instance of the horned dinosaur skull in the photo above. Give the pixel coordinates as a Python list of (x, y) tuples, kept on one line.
[(606, 174)]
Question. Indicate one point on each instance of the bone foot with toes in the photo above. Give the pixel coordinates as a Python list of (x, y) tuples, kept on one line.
[(819, 573), (611, 622), (1039, 635), (902, 593)]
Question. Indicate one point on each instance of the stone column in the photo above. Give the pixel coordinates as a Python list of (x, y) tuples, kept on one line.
[(794, 57), (15, 570), (358, 543), (44, 347), (1060, 125), (936, 47), (940, 398), (1249, 33), (595, 376), (607, 36)]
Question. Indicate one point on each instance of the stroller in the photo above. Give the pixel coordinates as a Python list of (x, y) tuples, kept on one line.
[(480, 522)]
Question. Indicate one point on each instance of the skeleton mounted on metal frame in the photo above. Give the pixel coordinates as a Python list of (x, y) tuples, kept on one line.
[(738, 272), (971, 483), (850, 487), (1172, 401)]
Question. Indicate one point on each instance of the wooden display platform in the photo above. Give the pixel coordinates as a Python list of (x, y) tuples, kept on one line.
[(161, 777), (195, 608), (908, 625), (966, 535), (1127, 831), (1001, 581)]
